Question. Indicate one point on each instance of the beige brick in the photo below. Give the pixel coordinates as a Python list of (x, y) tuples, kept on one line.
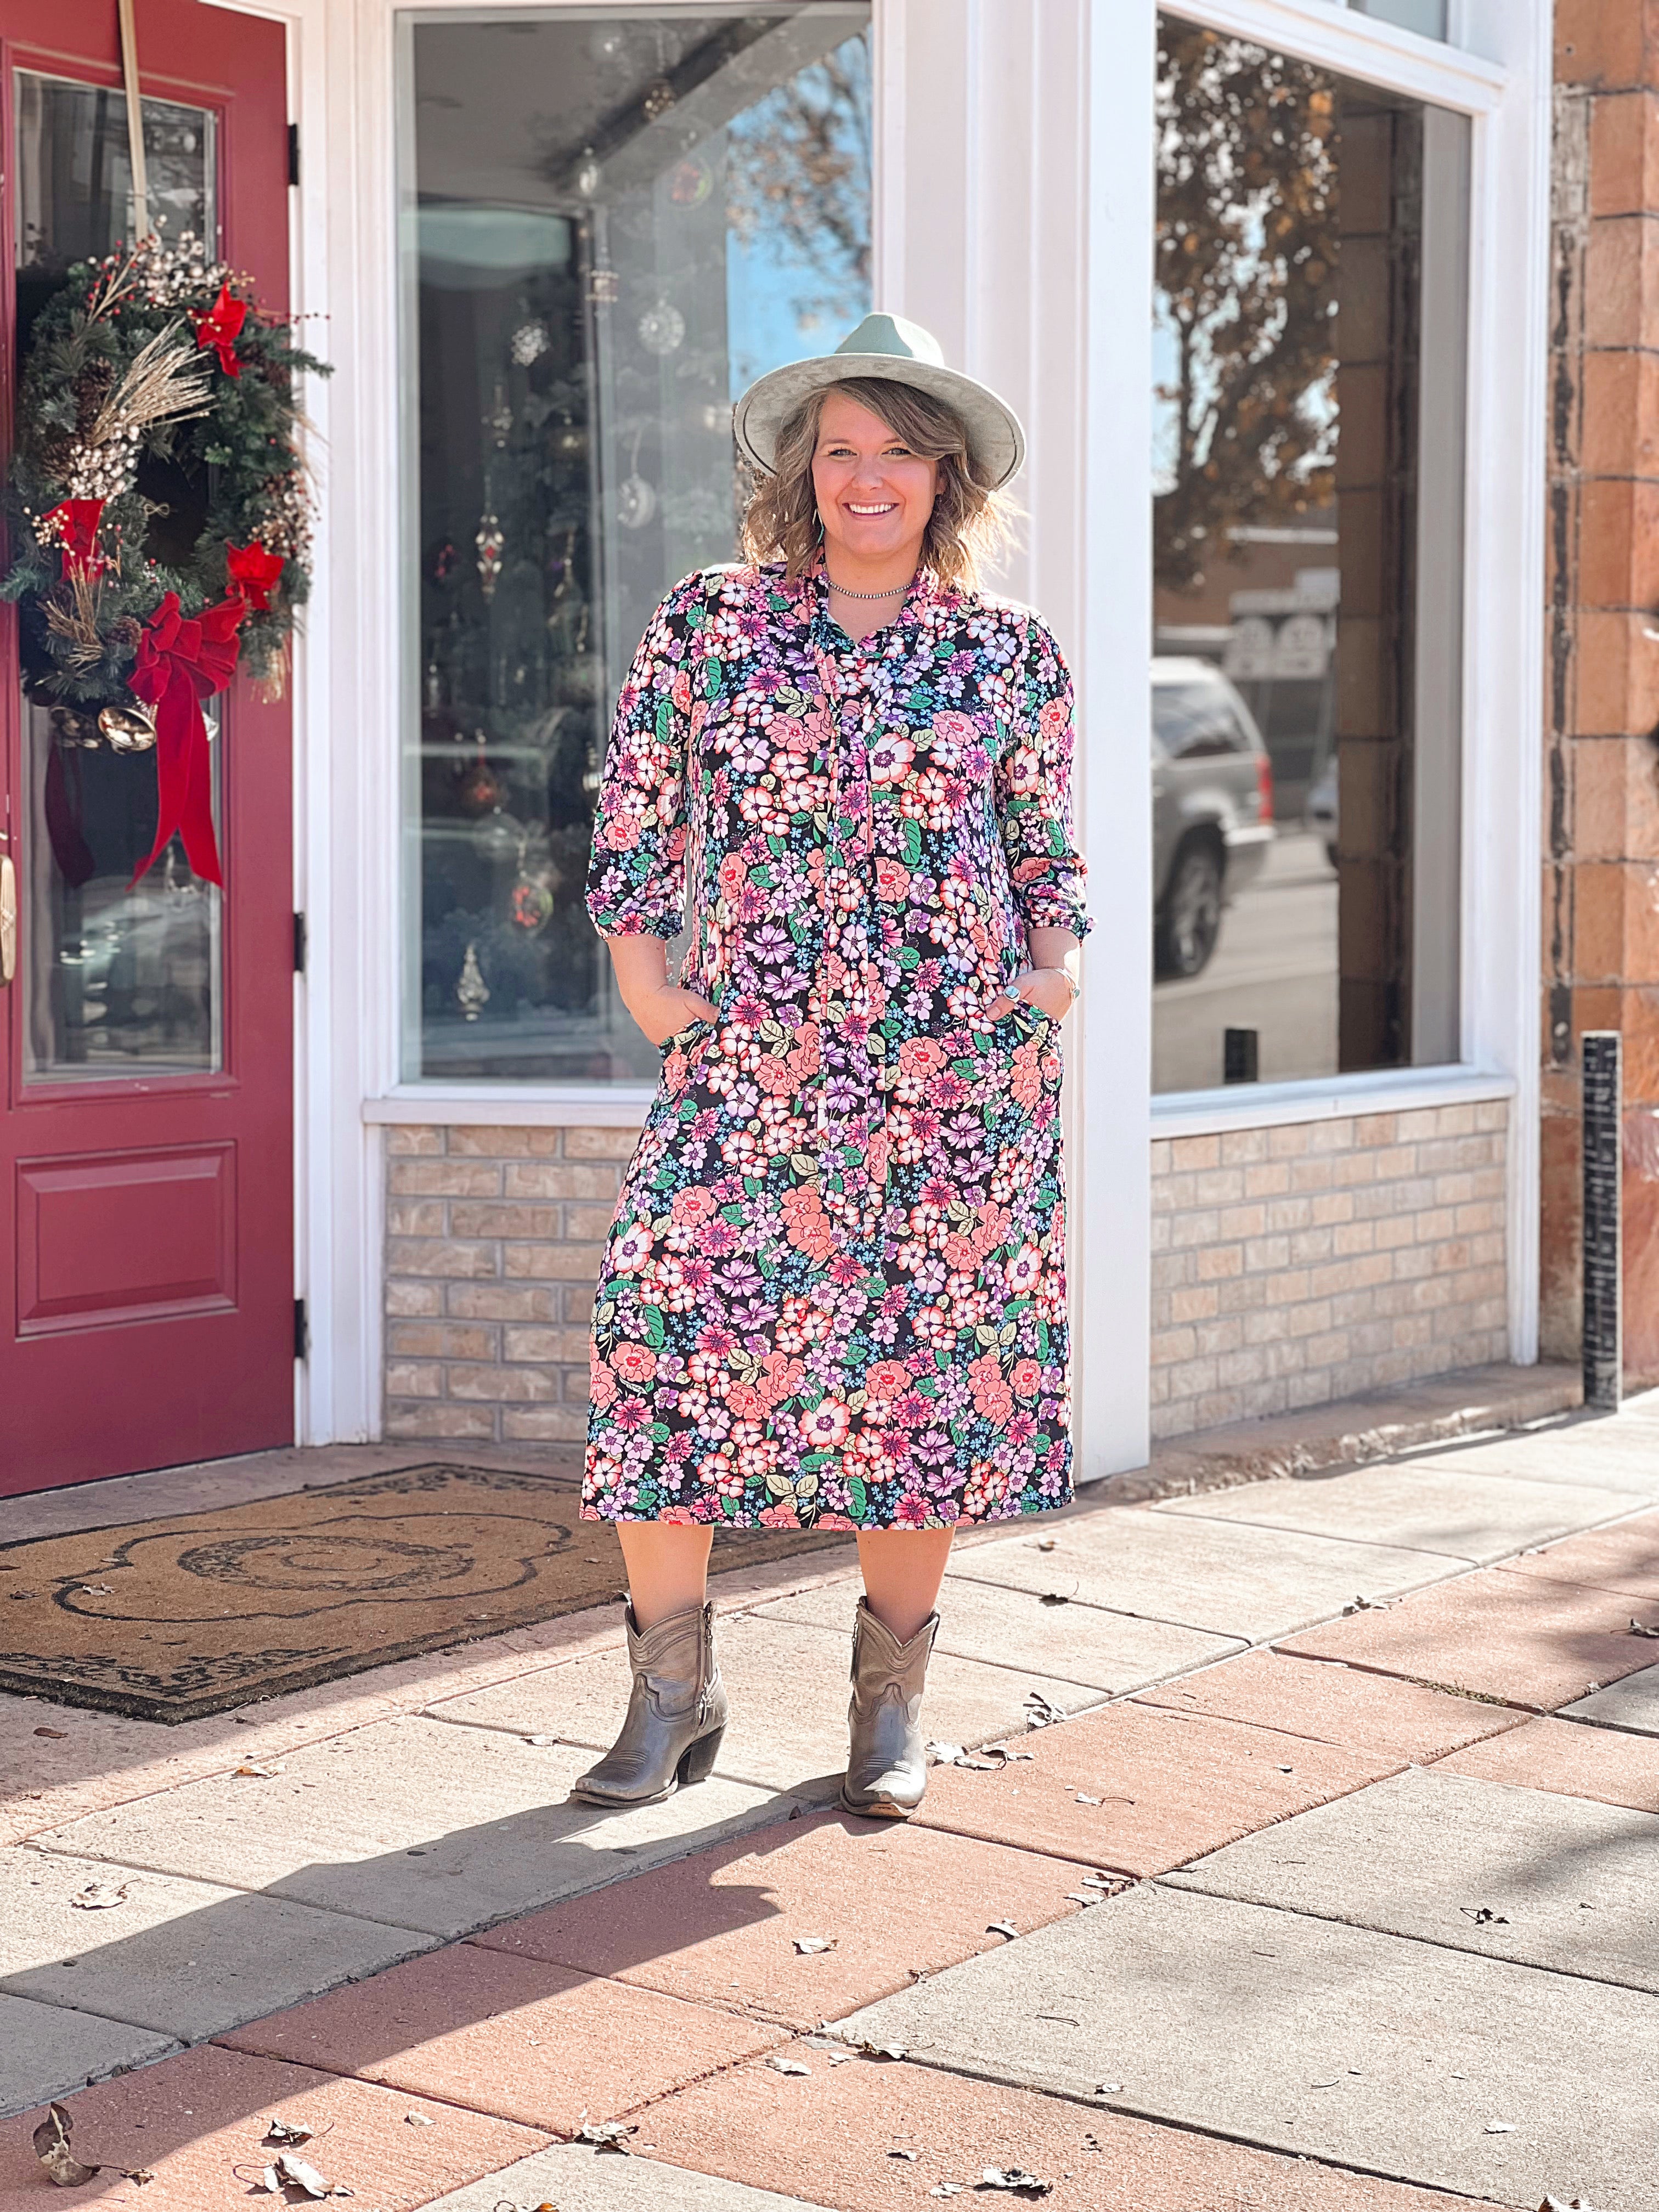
[(561, 1179), (1243, 1294), (1227, 1335), (1221, 1187), (1160, 1237), (1267, 1180), (440, 1256), (1248, 1365), (576, 1302), (1350, 1168), (1290, 1143), (444, 1178), (1199, 1303), (1358, 1273), (501, 1302), (538, 1425), (1490, 1250), (1377, 1129), (1328, 1350), (1310, 1247), (1215, 1260), (410, 1378), (1159, 1158), (1453, 1189), (546, 1344), (1454, 1122), (436, 1339), (589, 1224), (1172, 1347), (1330, 1137), (1392, 1230), (413, 1299), (1175, 1193), (1330, 1206), (1353, 1308), (444, 1423), (1434, 1223), (1201, 1228), (1266, 1254), (1195, 1152), (1305, 1321), (1491, 1117), (1192, 1377), (486, 1143), (1241, 1221), (415, 1217), (575, 1385), (1352, 1237), (1216, 1407), (1288, 1214), (470, 1220), (553, 1262), (1157, 1386), (1413, 1262), (1243, 1147), (405, 1141), (501, 1385), (1171, 1269), (585, 1144)]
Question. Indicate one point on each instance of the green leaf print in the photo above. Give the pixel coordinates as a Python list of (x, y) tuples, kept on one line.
[(857, 1497), (664, 717), (655, 1333), (712, 676), (912, 840)]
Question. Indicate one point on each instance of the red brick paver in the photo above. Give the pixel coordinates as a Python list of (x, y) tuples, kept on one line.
[(828, 2138), (1521, 1638), (532, 2042), (1624, 1559), (1167, 1788), (895, 1901), (1570, 1759), (1336, 1704), (196, 2122)]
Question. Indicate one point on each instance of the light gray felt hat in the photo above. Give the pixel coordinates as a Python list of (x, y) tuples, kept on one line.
[(904, 353)]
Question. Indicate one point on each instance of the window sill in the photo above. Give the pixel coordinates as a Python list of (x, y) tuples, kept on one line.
[(513, 1106), (1274, 1105)]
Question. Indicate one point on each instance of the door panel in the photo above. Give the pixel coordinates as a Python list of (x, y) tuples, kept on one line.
[(146, 1120)]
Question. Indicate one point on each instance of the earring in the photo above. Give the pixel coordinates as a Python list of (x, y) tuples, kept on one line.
[(819, 539)]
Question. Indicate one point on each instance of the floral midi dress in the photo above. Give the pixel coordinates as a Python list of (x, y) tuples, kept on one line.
[(834, 1292)]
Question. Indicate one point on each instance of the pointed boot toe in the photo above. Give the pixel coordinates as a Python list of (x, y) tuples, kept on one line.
[(887, 1763), (675, 1716)]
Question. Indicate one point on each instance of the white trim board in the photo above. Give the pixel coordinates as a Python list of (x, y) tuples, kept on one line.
[(1279, 1105), (1361, 46)]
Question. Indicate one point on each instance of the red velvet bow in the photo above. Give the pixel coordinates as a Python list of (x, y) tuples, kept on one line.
[(253, 572), (74, 524), (180, 664), (220, 327)]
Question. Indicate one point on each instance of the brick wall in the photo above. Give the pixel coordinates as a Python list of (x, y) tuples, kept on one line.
[(1294, 1266), (1290, 1266), (1600, 948), (492, 1244)]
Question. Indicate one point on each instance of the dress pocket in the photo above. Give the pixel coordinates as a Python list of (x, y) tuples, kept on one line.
[(682, 1040)]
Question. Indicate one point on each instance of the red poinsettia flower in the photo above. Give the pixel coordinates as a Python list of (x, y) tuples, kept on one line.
[(73, 523), (220, 328), (253, 571)]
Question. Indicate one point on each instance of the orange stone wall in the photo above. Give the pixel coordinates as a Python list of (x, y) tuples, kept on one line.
[(1600, 950)]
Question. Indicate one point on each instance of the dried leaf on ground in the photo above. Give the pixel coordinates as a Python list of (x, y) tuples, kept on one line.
[(947, 2189), (95, 1589), (1002, 1928), (541, 1741), (1047, 1543), (884, 2050), (1054, 1597), (52, 2148), (912, 2155), (810, 1946), (1483, 1916), (1015, 2178), (57, 1734), (1084, 1896), (1560, 2204), (1042, 1711), (608, 2135), (261, 1770), (419, 2120), (288, 2131), (1108, 2088), (947, 1754), (100, 1896), (298, 2175), (1369, 1605), (788, 2066), (1500, 2127), (1003, 1754), (1084, 1798)]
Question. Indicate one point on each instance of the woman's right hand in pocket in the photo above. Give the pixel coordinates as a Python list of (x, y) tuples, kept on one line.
[(668, 1008)]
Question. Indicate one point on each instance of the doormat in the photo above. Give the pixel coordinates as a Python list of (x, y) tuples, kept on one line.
[(173, 1619)]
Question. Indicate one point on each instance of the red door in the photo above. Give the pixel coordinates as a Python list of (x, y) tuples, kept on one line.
[(146, 1121)]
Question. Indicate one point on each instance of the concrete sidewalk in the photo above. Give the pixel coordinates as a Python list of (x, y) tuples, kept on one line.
[(1332, 1890)]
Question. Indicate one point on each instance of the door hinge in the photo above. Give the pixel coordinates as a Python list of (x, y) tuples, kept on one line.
[(301, 1331), (298, 945), (294, 153)]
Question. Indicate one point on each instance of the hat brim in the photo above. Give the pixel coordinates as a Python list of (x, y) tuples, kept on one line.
[(996, 442)]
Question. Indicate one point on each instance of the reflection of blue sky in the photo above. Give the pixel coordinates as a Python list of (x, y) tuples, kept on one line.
[(783, 303)]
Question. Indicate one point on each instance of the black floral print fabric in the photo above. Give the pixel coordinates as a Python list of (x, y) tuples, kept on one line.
[(834, 1292)]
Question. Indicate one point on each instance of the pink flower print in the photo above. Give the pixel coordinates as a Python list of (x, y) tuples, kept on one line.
[(826, 1425), (1024, 1271), (631, 1250), (890, 756)]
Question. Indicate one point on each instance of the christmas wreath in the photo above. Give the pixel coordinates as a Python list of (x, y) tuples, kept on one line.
[(160, 521)]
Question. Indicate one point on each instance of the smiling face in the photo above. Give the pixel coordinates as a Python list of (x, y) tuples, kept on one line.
[(874, 494)]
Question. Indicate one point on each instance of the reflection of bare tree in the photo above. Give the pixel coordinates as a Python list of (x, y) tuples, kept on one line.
[(1246, 287), (798, 166)]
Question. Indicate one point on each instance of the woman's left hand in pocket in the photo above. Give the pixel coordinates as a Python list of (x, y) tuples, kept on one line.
[(1046, 988)]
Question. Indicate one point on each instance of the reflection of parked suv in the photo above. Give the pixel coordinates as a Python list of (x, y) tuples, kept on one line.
[(1212, 808)]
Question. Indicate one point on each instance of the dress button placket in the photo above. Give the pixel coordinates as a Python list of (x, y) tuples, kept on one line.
[(844, 1130)]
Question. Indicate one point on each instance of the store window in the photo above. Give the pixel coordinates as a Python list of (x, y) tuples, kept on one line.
[(614, 219), (1427, 16), (1310, 318)]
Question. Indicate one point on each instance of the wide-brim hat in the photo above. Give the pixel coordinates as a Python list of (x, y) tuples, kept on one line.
[(888, 347)]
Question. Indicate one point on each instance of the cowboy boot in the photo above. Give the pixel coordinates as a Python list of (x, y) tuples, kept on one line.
[(675, 1716), (886, 1766)]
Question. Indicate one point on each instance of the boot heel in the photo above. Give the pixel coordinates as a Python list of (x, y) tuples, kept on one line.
[(697, 1762)]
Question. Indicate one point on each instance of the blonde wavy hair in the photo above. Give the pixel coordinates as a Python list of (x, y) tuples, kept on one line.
[(971, 521)]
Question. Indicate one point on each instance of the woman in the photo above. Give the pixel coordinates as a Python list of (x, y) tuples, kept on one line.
[(834, 1294)]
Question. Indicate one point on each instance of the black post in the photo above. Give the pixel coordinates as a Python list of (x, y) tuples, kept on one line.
[(1238, 1055), (1604, 1316)]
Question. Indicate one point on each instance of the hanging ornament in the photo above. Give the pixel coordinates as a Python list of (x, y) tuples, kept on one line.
[(480, 788), (604, 288), (636, 499), (529, 342), (659, 97), (569, 441), (490, 539), (662, 328), (531, 902), (444, 567), (691, 183), (471, 993), (499, 421), (589, 177), (498, 838)]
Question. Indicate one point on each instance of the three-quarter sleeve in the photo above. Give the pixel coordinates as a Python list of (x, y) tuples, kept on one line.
[(636, 869), (1033, 790)]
